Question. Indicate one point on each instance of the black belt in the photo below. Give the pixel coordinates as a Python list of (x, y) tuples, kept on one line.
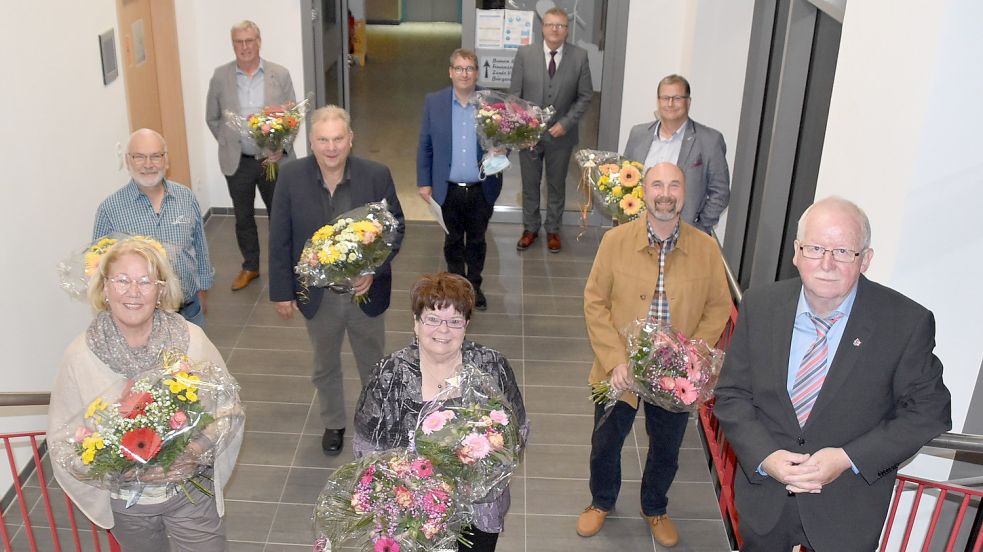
[(464, 184)]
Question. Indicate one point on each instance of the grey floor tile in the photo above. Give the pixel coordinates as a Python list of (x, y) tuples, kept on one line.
[(291, 389), (495, 323), (566, 287), (223, 335), (508, 345), (560, 429), (239, 546), (310, 454), (562, 374), (268, 449), (265, 315), (692, 466), (693, 501), (272, 337), (699, 536), (558, 534), (546, 304), (554, 326), (271, 362), (305, 484), (558, 348), (248, 521), (571, 462), (558, 400), (556, 268), (570, 497), (293, 524), (256, 483), (275, 417)]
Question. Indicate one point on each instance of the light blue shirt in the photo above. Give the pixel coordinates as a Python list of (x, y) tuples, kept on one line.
[(464, 143), (804, 333), (665, 151), (251, 97)]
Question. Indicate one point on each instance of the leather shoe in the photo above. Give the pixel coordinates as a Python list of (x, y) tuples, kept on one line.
[(526, 240), (332, 441), (553, 242), (480, 302), (663, 529), (590, 521), (243, 279)]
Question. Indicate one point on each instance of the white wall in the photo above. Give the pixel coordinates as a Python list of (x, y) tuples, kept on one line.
[(903, 141), (59, 160), (203, 35)]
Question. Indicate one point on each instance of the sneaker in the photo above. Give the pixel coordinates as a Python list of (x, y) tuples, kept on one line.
[(480, 302), (663, 529), (590, 521)]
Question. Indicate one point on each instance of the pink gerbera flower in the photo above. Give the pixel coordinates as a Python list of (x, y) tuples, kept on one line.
[(422, 467), (473, 448), (386, 544), (434, 422), (686, 391), (499, 417)]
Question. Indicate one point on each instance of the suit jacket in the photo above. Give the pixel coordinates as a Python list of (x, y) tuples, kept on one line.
[(297, 214), (703, 158), (569, 91), (223, 96), (433, 154), (622, 281), (883, 399)]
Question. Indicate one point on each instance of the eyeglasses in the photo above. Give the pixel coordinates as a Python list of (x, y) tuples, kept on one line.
[(141, 159), (555, 26), (246, 42), (672, 99), (839, 254), (123, 283), (464, 70), (456, 323)]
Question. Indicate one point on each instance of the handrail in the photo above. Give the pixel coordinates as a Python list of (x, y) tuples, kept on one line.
[(735, 288), (964, 442), (24, 399)]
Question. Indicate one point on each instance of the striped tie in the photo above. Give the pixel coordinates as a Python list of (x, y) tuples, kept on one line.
[(812, 371)]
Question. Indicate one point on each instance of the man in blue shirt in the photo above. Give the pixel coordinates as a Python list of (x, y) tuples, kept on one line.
[(447, 169), (150, 205)]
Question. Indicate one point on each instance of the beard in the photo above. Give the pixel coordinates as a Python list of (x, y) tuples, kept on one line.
[(664, 215), (147, 180)]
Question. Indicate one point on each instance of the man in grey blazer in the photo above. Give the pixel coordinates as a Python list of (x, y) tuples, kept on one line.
[(830, 383), (244, 87), (699, 150), (550, 73)]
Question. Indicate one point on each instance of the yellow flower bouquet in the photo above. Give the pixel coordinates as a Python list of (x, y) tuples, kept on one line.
[(615, 182), (77, 270)]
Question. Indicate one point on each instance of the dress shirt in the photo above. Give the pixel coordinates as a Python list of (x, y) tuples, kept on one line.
[(804, 333), (251, 97), (557, 57), (663, 150), (178, 226), (659, 310), (464, 142), (340, 201)]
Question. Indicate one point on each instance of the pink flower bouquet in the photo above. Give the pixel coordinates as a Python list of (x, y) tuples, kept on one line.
[(505, 121), (394, 501), (667, 369)]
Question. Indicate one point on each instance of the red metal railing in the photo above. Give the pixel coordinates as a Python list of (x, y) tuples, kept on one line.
[(32, 495)]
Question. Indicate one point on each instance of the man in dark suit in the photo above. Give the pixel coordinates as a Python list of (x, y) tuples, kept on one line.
[(698, 149), (447, 169), (830, 383), (551, 73), (244, 87), (311, 192)]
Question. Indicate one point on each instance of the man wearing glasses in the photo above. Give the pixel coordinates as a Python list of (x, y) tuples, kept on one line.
[(245, 86), (447, 161), (699, 150), (150, 205), (829, 384), (556, 74)]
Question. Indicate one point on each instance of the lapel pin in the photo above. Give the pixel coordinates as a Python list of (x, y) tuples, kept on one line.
[(856, 342)]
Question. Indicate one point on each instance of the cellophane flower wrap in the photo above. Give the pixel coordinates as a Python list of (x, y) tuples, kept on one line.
[(471, 433), (615, 182), (76, 270), (272, 128), (506, 121), (392, 500), (165, 426), (666, 368), (353, 245)]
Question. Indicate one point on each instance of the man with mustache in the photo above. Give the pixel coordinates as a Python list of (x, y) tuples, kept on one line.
[(150, 205), (654, 268)]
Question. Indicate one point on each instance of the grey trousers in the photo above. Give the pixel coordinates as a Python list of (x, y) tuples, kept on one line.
[(556, 158), (191, 527), (367, 336)]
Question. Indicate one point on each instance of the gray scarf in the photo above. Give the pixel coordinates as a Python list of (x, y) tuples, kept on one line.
[(169, 333)]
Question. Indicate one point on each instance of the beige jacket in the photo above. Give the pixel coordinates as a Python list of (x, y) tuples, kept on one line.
[(622, 281), (83, 377)]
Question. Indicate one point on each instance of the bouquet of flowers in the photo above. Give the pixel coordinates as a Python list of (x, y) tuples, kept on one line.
[(666, 368), (392, 501), (505, 121), (474, 437), (75, 272), (353, 245), (164, 426), (614, 181), (273, 128)]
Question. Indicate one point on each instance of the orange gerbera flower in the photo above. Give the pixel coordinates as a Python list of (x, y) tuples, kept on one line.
[(631, 205), (608, 168), (630, 176), (140, 445)]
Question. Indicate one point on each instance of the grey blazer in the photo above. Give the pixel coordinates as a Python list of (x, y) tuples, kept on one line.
[(569, 91), (223, 96), (703, 158)]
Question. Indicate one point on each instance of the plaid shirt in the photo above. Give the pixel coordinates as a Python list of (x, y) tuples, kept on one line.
[(659, 310), (178, 226)]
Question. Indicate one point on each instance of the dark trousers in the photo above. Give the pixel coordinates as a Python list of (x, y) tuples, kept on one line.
[(242, 187), (556, 160), (466, 214), (665, 431), (785, 535), (480, 541)]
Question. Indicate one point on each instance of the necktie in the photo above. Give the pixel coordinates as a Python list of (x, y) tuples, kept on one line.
[(812, 370), (552, 68)]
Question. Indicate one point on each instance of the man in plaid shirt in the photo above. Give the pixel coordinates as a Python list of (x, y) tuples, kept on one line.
[(150, 205)]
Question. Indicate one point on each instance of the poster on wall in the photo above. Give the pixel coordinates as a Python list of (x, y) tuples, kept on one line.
[(517, 30), (488, 28), (495, 69), (498, 33)]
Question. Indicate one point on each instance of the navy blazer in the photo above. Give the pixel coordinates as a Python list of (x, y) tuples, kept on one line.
[(297, 214), (433, 155)]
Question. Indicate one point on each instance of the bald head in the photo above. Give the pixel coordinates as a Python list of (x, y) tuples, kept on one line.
[(146, 157), (838, 206), (664, 192)]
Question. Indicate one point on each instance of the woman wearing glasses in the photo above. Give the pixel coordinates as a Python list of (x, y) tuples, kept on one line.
[(404, 381), (135, 294)]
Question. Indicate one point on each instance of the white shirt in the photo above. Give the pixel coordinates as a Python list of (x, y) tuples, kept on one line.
[(557, 57), (663, 150)]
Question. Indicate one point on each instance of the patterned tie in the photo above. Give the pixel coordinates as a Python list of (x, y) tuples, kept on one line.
[(552, 68), (812, 370)]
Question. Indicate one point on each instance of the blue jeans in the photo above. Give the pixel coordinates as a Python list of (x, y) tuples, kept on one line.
[(192, 312), (665, 431)]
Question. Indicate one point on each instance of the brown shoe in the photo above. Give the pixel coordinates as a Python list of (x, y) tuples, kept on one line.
[(526, 240), (590, 521), (553, 242), (663, 530), (243, 279)]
